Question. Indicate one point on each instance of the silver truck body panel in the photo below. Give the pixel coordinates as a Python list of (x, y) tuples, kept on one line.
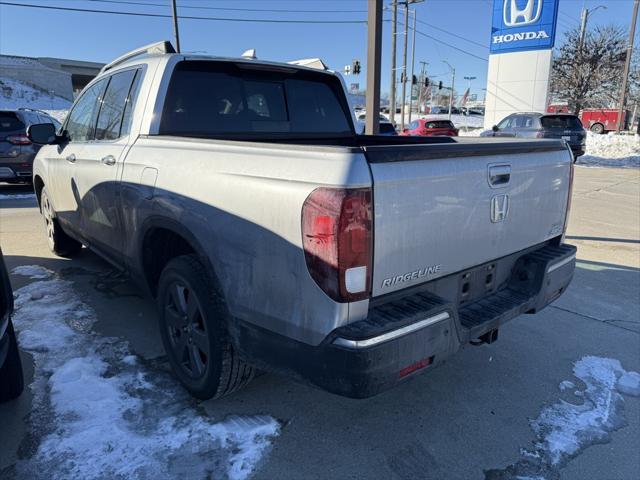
[(433, 216)]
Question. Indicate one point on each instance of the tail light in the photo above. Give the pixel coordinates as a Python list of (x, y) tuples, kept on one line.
[(18, 140), (337, 240)]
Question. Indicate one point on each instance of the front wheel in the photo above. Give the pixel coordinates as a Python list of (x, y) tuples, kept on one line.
[(59, 242), (193, 328)]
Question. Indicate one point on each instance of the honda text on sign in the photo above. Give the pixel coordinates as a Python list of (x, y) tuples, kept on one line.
[(523, 25)]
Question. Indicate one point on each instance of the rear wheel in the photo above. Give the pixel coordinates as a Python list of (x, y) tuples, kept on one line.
[(597, 128), (193, 327), (59, 242), (11, 379)]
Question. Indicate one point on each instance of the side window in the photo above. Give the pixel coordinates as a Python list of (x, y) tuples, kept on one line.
[(113, 106), (80, 122), (506, 123), (131, 102)]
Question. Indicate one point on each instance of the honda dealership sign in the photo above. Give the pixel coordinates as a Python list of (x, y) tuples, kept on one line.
[(522, 36), (523, 25)]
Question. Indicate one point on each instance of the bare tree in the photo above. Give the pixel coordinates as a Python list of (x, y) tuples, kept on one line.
[(589, 76)]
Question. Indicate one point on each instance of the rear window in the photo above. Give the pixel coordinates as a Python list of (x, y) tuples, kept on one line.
[(9, 122), (439, 124), (225, 100), (561, 121)]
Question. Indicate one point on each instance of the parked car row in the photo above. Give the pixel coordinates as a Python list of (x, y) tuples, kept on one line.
[(562, 126)]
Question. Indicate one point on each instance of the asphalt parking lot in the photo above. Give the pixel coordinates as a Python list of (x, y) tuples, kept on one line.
[(492, 412)]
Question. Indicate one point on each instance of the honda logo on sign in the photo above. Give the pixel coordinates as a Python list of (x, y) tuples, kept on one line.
[(499, 208), (514, 16)]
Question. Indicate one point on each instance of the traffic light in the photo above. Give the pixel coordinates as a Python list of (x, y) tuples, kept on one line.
[(426, 82), (440, 85), (414, 80), (356, 67)]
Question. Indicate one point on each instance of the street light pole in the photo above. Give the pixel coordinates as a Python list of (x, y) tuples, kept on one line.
[(175, 24), (453, 82), (404, 62), (584, 17), (627, 63), (392, 93)]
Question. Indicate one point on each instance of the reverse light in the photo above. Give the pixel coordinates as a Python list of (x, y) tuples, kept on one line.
[(18, 140), (337, 241)]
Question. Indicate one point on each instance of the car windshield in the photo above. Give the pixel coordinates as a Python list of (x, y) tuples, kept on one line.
[(9, 122), (219, 99), (564, 122)]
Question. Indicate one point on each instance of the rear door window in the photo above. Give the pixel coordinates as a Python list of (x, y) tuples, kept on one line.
[(227, 100), (9, 122), (82, 118), (564, 122), (113, 106)]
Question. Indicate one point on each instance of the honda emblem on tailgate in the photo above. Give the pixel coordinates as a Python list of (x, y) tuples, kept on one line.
[(516, 17), (499, 208)]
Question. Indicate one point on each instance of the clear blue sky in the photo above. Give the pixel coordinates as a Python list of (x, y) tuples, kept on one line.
[(102, 37)]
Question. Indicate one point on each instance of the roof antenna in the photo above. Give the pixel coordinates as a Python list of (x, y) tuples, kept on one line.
[(251, 53)]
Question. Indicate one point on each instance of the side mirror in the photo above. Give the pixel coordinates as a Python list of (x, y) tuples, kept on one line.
[(495, 128), (42, 133)]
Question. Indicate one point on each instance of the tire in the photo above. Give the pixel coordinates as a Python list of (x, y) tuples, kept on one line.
[(193, 326), (11, 378), (59, 242), (597, 128)]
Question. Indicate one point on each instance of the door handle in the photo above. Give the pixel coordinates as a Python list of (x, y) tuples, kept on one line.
[(499, 175), (109, 160), (71, 158)]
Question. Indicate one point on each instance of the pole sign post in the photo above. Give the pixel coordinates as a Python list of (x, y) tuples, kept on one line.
[(520, 25)]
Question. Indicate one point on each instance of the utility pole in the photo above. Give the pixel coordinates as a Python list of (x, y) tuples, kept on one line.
[(175, 25), (625, 76), (374, 56), (392, 93), (404, 62), (413, 60)]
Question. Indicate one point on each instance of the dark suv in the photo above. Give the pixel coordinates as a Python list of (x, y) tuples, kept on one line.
[(537, 125), (16, 150)]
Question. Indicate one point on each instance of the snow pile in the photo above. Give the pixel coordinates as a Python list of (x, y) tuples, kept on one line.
[(15, 94), (471, 121), (611, 151), (100, 412), (564, 429)]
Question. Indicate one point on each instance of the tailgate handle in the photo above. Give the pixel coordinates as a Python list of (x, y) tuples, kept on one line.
[(499, 175)]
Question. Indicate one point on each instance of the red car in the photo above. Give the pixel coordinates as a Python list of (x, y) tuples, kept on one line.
[(430, 128)]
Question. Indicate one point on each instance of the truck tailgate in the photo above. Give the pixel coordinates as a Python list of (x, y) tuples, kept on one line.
[(441, 209)]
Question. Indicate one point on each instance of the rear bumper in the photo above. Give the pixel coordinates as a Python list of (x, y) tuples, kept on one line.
[(411, 334), (577, 150)]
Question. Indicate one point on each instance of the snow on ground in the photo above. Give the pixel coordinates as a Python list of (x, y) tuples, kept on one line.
[(15, 94), (471, 121), (564, 429), (101, 412), (611, 151)]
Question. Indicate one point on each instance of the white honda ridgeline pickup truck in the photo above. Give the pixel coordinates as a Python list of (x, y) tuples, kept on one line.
[(274, 237)]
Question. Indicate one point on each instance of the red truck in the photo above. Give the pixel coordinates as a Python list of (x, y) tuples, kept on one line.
[(602, 120)]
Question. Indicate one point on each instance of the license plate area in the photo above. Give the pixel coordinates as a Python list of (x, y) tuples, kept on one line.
[(476, 283), (566, 138)]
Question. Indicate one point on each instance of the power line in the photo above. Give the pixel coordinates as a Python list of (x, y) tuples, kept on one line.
[(182, 17), (235, 9), (453, 34)]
